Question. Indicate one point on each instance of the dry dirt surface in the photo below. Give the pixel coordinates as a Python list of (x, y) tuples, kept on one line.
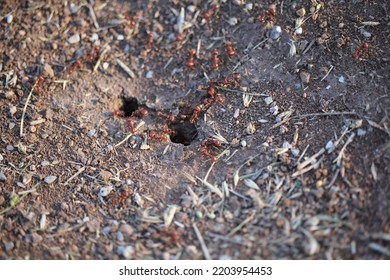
[(194, 129)]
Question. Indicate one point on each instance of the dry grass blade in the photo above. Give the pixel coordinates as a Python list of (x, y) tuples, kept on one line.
[(125, 68), (169, 213), (311, 159), (205, 250), (25, 109), (211, 187), (240, 226), (341, 154)]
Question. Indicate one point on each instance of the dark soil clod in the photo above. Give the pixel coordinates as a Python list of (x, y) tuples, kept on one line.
[(185, 133)]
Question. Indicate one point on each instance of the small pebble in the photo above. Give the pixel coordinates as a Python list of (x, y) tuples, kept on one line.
[(10, 148), (295, 152), (298, 30), (329, 146), (149, 75), (341, 25), (12, 110), (106, 65), (127, 252), (268, 100), (73, 8), (1, 157), (91, 133), (119, 236), (301, 12), (305, 77), (276, 32), (120, 37), (191, 8), (94, 37), (243, 143), (9, 246), (361, 132), (74, 39), (105, 191), (342, 79), (2, 177), (10, 94), (11, 125), (274, 110), (50, 179), (233, 21), (48, 70), (45, 163), (366, 34), (126, 229), (236, 113), (249, 6), (9, 18), (192, 251)]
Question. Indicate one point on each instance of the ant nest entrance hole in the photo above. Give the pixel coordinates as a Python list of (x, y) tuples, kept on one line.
[(129, 105), (185, 133)]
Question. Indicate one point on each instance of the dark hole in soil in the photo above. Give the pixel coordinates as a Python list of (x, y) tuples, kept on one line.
[(185, 133), (129, 105)]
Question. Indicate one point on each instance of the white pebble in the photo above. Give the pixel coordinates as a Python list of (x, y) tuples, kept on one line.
[(45, 163), (91, 133), (191, 9), (106, 65), (74, 39), (298, 30), (12, 110), (295, 152), (127, 252), (105, 191), (329, 146), (361, 132), (274, 110), (10, 148), (268, 100), (276, 32), (286, 145), (249, 6), (236, 113), (94, 37), (366, 34), (9, 19), (342, 79), (73, 8), (50, 179), (1, 157), (120, 37), (243, 143), (119, 236), (149, 75), (233, 21)]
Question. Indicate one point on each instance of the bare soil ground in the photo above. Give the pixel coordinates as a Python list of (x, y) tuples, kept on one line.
[(194, 129)]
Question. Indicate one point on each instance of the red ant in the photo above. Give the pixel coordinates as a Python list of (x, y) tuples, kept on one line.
[(169, 131), (75, 65), (140, 113), (119, 113), (231, 81), (211, 91), (170, 118), (195, 113), (39, 85), (130, 20), (131, 125), (191, 63), (94, 54), (149, 43), (268, 15), (230, 49), (215, 59), (119, 198), (207, 15), (363, 49), (207, 145), (160, 136)]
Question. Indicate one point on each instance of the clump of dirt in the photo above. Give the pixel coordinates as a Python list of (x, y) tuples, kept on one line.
[(138, 131)]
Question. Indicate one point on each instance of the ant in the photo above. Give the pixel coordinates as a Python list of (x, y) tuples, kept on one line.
[(207, 145), (159, 136), (195, 113), (215, 59), (191, 63), (140, 113), (94, 54), (169, 131), (230, 49), (131, 20), (170, 118), (39, 85), (75, 65), (363, 49), (207, 15), (149, 43), (119, 198), (231, 81), (268, 15), (131, 125)]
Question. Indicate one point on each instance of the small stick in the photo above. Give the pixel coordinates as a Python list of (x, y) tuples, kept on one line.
[(202, 243), (25, 108), (92, 12), (81, 169), (323, 114), (241, 92), (130, 134), (240, 226), (326, 75), (339, 157), (125, 68), (224, 238)]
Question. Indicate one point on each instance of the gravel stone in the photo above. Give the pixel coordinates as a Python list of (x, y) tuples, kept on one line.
[(10, 148), (50, 179), (74, 39), (276, 32), (2, 177), (9, 246), (126, 229)]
